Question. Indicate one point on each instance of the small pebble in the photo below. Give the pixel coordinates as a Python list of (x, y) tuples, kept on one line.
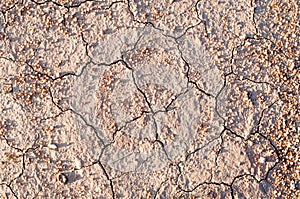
[(293, 185), (52, 146), (62, 178), (262, 160), (78, 164)]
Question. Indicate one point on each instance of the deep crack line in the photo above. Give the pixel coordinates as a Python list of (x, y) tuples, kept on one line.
[(108, 178), (150, 107)]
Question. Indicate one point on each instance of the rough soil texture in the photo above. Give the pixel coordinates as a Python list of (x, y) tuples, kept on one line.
[(150, 99)]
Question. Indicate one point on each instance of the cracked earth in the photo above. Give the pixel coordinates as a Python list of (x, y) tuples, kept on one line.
[(149, 99)]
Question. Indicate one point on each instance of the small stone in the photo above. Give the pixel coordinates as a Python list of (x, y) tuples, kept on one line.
[(52, 146), (78, 163), (62, 178), (293, 185), (243, 37), (247, 43), (262, 160), (250, 143)]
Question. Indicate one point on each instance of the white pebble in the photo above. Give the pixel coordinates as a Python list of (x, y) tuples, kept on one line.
[(78, 163), (262, 160), (52, 146), (293, 185)]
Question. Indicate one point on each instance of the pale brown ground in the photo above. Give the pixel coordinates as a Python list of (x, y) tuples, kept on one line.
[(149, 99)]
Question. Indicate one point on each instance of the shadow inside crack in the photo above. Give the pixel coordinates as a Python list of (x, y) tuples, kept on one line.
[(72, 177)]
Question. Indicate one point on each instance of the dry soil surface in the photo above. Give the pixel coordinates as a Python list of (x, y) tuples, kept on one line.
[(149, 99)]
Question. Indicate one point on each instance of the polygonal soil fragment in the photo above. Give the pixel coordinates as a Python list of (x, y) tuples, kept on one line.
[(11, 161), (158, 68), (134, 148), (189, 123), (247, 187), (202, 69), (115, 45), (228, 16), (173, 17), (207, 190), (106, 29), (227, 23), (232, 160), (198, 166), (278, 21), (253, 60), (280, 124), (107, 98), (73, 139), (5, 191), (262, 156), (4, 41), (21, 128), (242, 102), (143, 185), (119, 93), (63, 3), (29, 90), (58, 163), (6, 5), (38, 36), (57, 177), (9, 69)]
